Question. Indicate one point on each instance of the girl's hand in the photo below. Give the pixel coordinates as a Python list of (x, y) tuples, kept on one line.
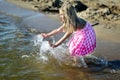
[(52, 45), (44, 35)]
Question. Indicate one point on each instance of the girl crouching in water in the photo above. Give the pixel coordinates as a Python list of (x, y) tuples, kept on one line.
[(83, 41)]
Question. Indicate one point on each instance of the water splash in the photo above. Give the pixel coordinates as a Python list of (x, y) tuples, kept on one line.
[(60, 53)]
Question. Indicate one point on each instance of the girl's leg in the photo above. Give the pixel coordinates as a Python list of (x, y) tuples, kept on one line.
[(79, 62), (82, 62)]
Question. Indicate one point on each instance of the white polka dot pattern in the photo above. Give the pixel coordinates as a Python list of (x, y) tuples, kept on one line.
[(83, 41)]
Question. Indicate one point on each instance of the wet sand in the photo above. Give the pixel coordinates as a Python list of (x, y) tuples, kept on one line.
[(108, 43)]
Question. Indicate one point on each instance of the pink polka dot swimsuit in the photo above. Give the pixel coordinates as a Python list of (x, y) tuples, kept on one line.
[(83, 41)]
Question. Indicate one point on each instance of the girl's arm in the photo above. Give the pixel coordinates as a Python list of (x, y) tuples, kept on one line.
[(53, 32), (67, 34)]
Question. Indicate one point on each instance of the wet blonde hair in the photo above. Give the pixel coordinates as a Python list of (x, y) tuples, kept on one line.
[(72, 22)]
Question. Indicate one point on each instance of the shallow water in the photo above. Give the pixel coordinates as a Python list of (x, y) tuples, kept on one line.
[(21, 59)]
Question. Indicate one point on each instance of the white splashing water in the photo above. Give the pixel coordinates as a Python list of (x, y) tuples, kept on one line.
[(60, 53)]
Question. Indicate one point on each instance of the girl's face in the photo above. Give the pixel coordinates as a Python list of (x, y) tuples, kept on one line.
[(62, 16)]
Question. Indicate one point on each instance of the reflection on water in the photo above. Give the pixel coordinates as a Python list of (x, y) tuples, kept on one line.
[(20, 59), (13, 44)]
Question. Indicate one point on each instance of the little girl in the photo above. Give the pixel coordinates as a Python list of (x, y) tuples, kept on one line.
[(83, 41)]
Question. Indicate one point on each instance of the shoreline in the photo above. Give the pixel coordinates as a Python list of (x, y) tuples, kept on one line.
[(29, 6), (21, 4), (108, 24)]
